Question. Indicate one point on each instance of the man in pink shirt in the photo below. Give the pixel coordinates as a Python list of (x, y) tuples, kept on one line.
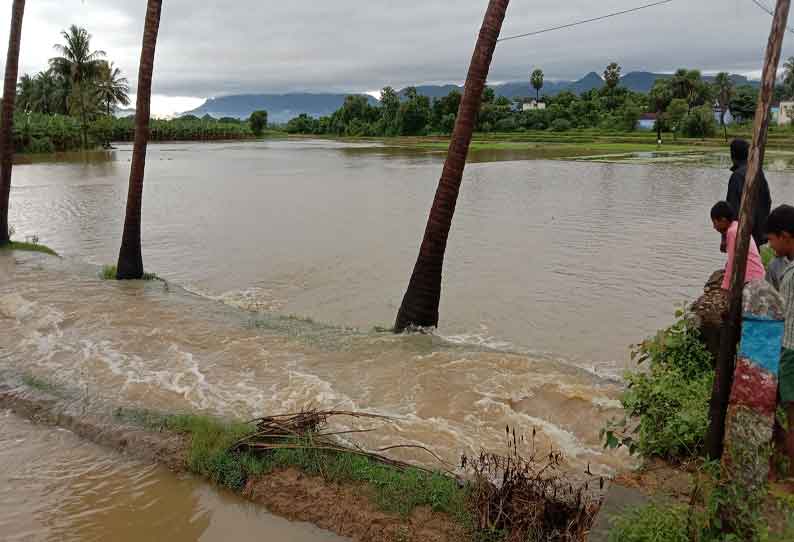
[(723, 217)]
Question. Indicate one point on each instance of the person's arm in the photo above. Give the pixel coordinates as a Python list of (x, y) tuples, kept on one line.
[(730, 239)]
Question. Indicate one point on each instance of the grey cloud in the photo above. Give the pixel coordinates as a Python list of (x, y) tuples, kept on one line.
[(212, 48)]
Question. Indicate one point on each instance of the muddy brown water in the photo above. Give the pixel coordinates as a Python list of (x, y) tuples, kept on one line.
[(56, 487), (282, 257)]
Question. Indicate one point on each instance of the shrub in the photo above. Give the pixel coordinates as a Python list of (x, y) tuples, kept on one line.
[(653, 523), (700, 122), (667, 406), (40, 146), (560, 125)]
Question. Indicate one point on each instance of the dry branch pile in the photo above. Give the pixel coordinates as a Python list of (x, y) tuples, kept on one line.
[(530, 498), (308, 430)]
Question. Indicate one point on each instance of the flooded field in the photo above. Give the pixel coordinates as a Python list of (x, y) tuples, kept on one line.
[(283, 258)]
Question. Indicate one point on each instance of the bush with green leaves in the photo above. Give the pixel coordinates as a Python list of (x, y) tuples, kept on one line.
[(561, 125), (666, 406), (700, 122), (653, 523)]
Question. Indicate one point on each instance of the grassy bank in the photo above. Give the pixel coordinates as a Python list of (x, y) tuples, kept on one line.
[(212, 455), (530, 499), (29, 247)]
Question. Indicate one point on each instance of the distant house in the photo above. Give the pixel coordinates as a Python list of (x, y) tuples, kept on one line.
[(774, 113), (647, 121), (786, 115), (533, 105), (729, 118)]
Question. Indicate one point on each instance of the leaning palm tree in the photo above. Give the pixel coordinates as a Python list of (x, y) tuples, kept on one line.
[(420, 304), (723, 87), (7, 119), (79, 65), (130, 264), (112, 88)]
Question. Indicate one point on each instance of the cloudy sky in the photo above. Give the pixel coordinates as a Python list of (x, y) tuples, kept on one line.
[(210, 48)]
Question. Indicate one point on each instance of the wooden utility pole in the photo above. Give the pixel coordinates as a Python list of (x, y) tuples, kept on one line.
[(732, 328)]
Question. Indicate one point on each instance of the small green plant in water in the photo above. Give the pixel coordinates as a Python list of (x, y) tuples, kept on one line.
[(109, 272)]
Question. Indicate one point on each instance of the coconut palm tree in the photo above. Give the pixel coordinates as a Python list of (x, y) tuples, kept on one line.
[(420, 304), (537, 82), (79, 65), (130, 264), (26, 90), (7, 115), (723, 87), (47, 93), (112, 88)]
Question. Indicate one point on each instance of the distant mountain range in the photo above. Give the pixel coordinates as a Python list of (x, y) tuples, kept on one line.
[(280, 107), (636, 81), (283, 107)]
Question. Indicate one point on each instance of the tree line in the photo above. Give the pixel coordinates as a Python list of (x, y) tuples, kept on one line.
[(73, 103), (683, 102)]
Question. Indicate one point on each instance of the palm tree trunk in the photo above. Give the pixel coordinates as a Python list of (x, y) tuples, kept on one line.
[(7, 119), (421, 301), (130, 264)]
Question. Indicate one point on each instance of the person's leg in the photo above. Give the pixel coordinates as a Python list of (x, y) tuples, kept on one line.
[(786, 381)]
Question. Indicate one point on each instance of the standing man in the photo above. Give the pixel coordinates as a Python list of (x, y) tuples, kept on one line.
[(740, 152)]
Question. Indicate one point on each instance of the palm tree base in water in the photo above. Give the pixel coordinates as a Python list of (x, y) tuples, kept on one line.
[(420, 304)]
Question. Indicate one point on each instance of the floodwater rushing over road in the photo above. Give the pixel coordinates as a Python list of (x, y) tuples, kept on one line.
[(553, 269)]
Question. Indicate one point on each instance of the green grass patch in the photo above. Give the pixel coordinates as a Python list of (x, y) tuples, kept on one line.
[(653, 523), (109, 272), (392, 490), (29, 247)]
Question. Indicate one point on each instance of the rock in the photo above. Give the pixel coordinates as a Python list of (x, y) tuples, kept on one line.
[(710, 310)]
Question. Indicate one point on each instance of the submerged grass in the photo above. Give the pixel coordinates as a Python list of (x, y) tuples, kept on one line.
[(29, 247), (45, 386), (109, 272)]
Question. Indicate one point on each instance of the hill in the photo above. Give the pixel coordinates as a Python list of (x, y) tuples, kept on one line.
[(280, 107)]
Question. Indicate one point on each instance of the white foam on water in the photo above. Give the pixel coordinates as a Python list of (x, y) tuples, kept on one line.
[(569, 445), (479, 340), (252, 299)]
